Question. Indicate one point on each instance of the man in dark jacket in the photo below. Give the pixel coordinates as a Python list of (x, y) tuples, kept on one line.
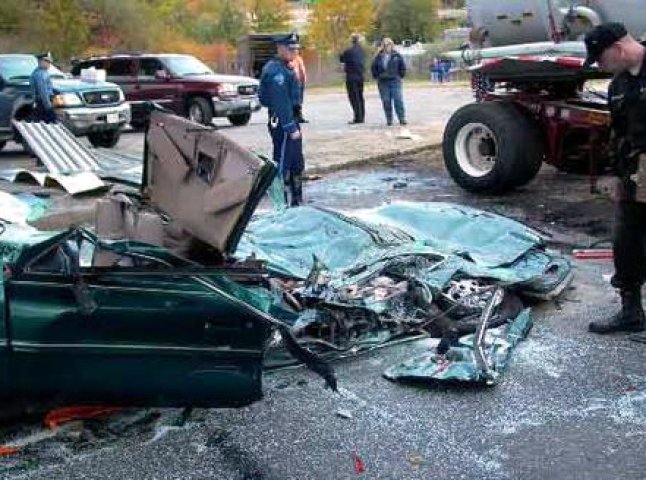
[(353, 64), (388, 68), (617, 52)]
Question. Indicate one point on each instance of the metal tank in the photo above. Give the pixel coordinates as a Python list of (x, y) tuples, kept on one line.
[(512, 22), (631, 12)]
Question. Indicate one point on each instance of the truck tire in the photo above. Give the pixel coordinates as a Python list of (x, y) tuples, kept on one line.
[(106, 139), (491, 147), (200, 111), (239, 120)]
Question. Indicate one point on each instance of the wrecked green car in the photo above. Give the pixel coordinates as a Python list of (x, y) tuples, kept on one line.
[(173, 297)]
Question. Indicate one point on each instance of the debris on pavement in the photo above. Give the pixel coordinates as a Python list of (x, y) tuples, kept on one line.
[(406, 134), (459, 364), (406, 270), (6, 451), (359, 466), (72, 183), (343, 413), (68, 163), (56, 417), (22, 208), (593, 254)]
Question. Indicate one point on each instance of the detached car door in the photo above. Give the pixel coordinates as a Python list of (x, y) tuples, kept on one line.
[(149, 338)]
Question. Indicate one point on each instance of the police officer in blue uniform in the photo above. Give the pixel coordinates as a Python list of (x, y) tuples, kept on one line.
[(280, 93), (42, 90)]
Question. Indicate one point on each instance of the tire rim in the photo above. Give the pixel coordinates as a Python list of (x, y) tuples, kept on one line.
[(476, 149), (195, 114)]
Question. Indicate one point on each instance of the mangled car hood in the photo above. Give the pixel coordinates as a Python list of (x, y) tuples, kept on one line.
[(204, 181)]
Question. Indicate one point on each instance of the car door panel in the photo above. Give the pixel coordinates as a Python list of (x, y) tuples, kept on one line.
[(153, 340), (153, 89)]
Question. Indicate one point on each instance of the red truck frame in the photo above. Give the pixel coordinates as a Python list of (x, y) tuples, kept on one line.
[(531, 110)]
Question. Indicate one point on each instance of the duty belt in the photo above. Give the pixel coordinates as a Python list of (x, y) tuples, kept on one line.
[(273, 120)]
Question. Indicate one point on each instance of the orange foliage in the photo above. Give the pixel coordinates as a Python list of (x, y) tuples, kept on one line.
[(215, 54)]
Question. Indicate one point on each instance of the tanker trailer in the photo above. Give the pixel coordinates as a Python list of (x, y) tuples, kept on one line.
[(536, 107)]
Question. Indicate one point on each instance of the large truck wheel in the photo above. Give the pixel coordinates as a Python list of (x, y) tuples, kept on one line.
[(492, 147)]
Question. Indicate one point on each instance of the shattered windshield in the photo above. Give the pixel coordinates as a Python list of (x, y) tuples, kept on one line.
[(21, 68), (186, 66)]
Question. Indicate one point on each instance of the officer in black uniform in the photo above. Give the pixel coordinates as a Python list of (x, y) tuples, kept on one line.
[(280, 93), (615, 51)]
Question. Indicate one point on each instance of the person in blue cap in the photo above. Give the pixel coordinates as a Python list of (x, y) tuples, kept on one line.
[(42, 90), (280, 93)]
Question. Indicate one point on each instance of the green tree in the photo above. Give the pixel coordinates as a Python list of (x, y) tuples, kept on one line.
[(332, 22), (269, 15), (12, 15), (232, 23), (65, 28), (216, 21), (408, 19)]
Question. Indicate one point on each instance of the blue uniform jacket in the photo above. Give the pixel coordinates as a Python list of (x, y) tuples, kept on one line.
[(41, 87), (280, 92)]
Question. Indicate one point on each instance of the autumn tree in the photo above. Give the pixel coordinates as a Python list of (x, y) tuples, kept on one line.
[(11, 15), (134, 25), (65, 30), (415, 20), (268, 15), (333, 21)]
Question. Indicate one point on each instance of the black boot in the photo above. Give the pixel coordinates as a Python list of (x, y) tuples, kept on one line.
[(629, 319)]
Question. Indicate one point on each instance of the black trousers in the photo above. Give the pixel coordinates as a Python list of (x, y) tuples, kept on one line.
[(288, 155), (629, 245), (355, 94)]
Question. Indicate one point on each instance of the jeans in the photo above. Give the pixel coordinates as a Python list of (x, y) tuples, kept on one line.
[(390, 92)]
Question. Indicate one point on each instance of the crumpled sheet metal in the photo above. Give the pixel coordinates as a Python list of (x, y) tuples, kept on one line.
[(21, 208), (459, 364), (496, 247), (386, 275), (459, 230)]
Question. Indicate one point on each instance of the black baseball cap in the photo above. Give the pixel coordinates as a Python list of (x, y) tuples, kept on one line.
[(602, 37)]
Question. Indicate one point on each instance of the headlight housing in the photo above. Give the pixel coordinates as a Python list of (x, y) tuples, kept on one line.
[(122, 97), (67, 100), (228, 89)]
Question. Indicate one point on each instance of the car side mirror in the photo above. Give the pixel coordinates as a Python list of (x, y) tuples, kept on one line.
[(162, 75)]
